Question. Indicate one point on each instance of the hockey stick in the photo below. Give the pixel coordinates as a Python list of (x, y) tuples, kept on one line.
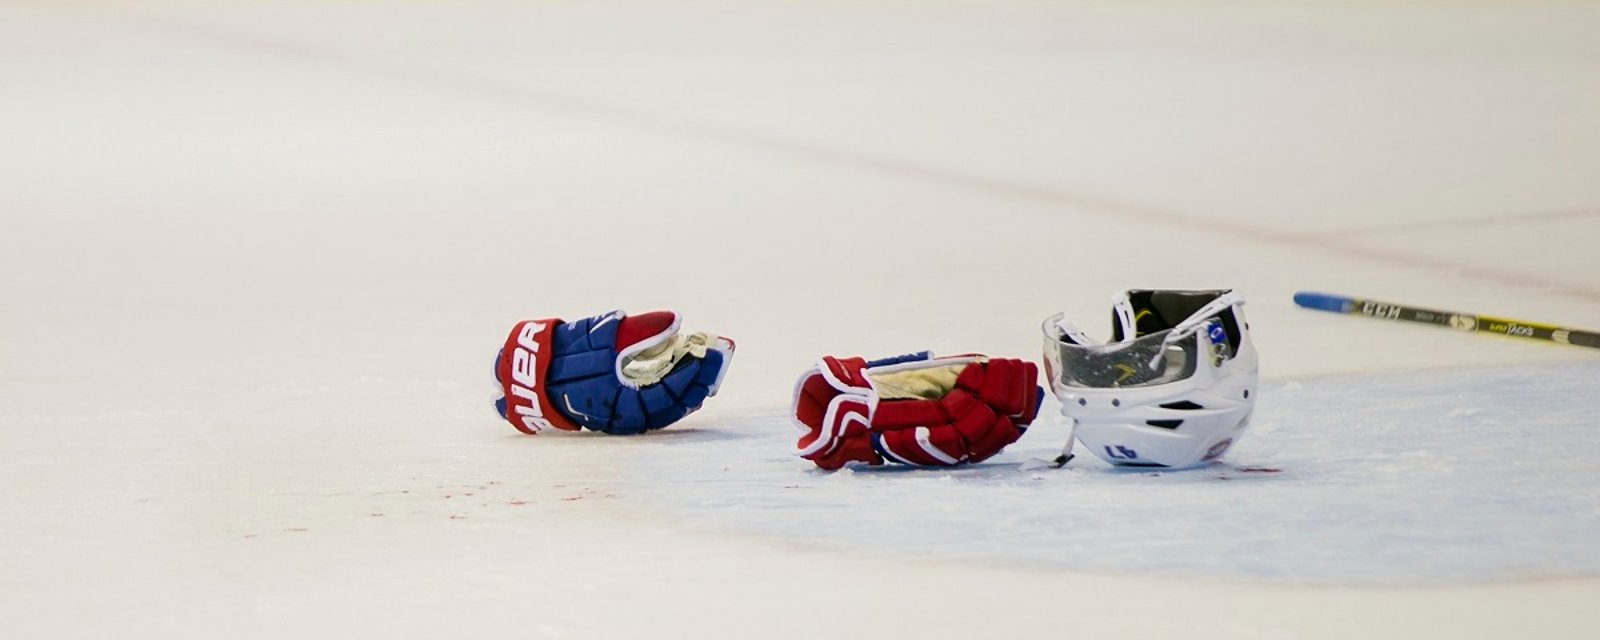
[(1453, 319)]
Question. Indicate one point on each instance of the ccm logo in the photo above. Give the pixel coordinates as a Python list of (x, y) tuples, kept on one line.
[(525, 379), (1388, 311)]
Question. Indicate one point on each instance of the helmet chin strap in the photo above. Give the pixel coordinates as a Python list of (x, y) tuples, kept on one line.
[(1066, 450)]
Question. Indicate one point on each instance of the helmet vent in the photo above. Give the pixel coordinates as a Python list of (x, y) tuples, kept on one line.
[(1165, 424), (1182, 405)]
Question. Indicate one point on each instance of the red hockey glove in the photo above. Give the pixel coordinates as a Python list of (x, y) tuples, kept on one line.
[(915, 409)]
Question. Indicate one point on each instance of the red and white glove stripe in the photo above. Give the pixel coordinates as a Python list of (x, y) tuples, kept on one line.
[(831, 400), (523, 362)]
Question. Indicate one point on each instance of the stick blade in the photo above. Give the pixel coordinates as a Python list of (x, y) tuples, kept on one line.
[(1323, 301)]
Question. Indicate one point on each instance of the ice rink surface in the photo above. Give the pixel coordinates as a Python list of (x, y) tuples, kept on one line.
[(255, 258)]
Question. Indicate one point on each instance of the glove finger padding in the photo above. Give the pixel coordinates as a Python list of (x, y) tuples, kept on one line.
[(612, 373), (913, 409)]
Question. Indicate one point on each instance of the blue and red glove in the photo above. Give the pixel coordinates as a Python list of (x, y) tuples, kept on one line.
[(614, 373), (913, 409)]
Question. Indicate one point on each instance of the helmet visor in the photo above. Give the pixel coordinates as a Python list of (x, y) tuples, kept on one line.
[(1146, 361)]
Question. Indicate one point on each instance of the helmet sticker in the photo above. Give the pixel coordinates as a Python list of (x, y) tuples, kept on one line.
[(1219, 342), (1218, 449), (1120, 453)]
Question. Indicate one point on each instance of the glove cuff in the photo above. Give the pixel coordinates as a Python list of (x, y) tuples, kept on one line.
[(524, 361)]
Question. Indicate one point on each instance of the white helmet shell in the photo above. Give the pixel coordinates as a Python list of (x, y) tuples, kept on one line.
[(1175, 388)]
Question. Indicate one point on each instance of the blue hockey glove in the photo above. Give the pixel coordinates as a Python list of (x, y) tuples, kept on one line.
[(613, 373)]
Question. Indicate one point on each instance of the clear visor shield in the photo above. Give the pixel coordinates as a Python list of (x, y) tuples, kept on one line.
[(1158, 358)]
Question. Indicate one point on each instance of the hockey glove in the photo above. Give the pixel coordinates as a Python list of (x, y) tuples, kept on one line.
[(613, 373), (913, 409)]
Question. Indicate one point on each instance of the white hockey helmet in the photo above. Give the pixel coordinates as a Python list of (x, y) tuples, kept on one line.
[(1174, 388)]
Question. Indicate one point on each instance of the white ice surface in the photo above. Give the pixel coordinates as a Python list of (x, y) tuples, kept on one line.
[(1384, 480), (254, 257)]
